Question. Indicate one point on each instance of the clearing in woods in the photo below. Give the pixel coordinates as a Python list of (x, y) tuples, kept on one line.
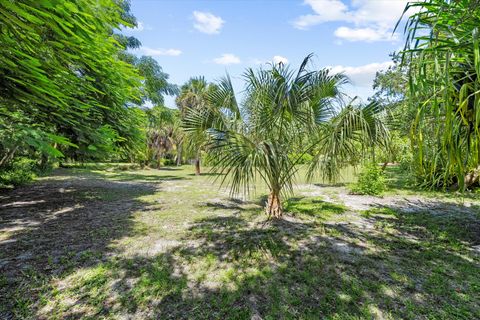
[(167, 244)]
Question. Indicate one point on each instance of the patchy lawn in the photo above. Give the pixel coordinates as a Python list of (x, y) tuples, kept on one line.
[(165, 244)]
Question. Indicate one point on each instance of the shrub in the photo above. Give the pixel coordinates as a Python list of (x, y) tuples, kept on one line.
[(371, 181), (20, 171), (305, 158)]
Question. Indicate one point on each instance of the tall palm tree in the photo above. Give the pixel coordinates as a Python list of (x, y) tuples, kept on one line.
[(193, 97), (281, 108)]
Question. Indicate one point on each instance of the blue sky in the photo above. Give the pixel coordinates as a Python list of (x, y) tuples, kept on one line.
[(210, 38)]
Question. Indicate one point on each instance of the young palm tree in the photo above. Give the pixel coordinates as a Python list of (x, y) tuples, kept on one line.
[(193, 97), (281, 108)]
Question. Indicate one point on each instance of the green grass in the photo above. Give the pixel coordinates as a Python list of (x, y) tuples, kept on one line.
[(165, 244), (403, 183)]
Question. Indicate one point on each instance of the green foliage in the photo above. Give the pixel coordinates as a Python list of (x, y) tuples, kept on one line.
[(347, 136), (304, 158), (164, 135), (270, 134), (69, 88), (156, 81), (195, 99), (254, 140), (18, 172), (443, 52), (67, 84), (59, 60), (371, 181)]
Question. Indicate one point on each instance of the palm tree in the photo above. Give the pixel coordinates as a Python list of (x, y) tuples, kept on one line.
[(281, 108), (163, 132), (351, 134), (193, 97)]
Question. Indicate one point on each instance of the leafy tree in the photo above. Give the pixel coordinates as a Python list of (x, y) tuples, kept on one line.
[(155, 83), (390, 85), (61, 75), (392, 94), (283, 108)]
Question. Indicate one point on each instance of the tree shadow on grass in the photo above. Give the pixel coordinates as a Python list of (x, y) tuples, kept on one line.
[(282, 270), (126, 176), (206, 174), (54, 227), (227, 205), (231, 267), (436, 221), (289, 269)]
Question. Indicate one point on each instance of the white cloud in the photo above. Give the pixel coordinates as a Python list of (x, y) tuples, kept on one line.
[(227, 58), (362, 76), (274, 60), (372, 20), (364, 34), (279, 59), (325, 11), (207, 23), (161, 52)]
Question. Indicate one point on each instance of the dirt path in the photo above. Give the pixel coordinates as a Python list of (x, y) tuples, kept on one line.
[(405, 203)]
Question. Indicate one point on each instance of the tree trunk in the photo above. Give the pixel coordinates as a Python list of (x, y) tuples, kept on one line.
[(8, 156), (197, 166), (43, 162), (159, 160), (274, 205), (384, 166), (179, 154)]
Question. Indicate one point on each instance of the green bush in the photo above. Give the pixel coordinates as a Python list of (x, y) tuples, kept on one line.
[(20, 171), (305, 158), (406, 162), (371, 181)]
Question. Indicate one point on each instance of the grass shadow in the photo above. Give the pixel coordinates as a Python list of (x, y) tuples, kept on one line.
[(54, 227), (230, 267), (126, 176)]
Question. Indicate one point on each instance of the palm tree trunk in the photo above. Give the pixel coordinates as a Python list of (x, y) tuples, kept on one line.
[(159, 160), (274, 205), (179, 154), (197, 166)]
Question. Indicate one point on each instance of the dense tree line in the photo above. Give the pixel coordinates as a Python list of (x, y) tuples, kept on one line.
[(70, 90)]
